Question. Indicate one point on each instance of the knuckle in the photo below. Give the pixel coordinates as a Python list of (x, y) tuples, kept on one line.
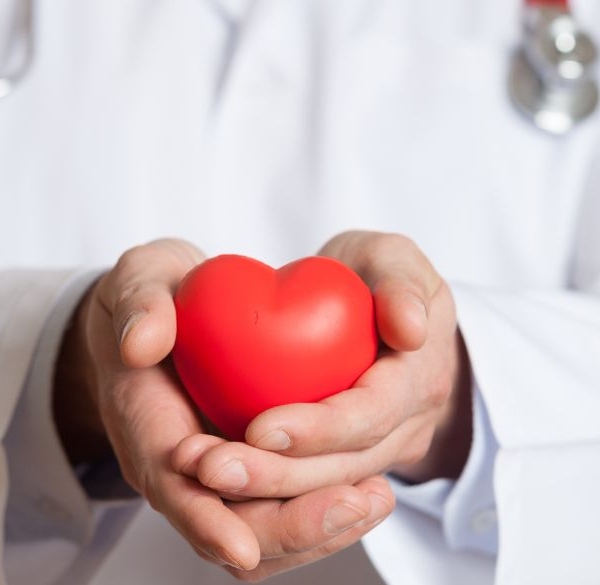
[(289, 533), (376, 427), (130, 260), (375, 435), (179, 251), (348, 468), (369, 426), (274, 487), (128, 293), (383, 243), (351, 474), (380, 247), (290, 539)]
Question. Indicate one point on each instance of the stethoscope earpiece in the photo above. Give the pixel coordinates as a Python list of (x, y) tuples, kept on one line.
[(550, 80)]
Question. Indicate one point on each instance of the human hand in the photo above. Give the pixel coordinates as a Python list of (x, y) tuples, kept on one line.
[(409, 413), (116, 389)]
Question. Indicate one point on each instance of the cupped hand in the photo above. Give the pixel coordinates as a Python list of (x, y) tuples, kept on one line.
[(408, 414), (115, 381)]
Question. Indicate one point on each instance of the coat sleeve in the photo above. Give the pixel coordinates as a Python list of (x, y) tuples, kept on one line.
[(536, 357), (528, 494), (45, 499)]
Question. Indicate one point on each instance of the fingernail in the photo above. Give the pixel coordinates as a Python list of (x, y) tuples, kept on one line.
[(277, 440), (132, 319), (225, 558), (232, 477), (341, 517), (190, 468), (380, 510)]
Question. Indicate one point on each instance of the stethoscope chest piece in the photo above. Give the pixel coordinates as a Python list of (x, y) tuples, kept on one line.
[(551, 79)]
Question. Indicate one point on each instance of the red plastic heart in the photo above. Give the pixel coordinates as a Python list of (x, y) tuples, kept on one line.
[(250, 337)]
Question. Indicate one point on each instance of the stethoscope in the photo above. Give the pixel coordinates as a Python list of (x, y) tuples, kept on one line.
[(14, 69), (551, 79)]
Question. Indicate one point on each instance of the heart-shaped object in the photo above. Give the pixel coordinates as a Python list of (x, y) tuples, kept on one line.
[(250, 337)]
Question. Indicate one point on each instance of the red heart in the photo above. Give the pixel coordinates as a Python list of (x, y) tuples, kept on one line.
[(250, 337)]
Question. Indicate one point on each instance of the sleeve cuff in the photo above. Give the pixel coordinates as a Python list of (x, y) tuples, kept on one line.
[(469, 518), (466, 507)]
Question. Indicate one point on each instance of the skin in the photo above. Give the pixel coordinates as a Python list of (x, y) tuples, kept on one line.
[(307, 482)]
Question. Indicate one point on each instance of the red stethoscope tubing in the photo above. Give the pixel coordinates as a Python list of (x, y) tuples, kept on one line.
[(548, 3)]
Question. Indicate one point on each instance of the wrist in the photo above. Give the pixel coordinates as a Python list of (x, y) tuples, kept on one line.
[(451, 442), (76, 415)]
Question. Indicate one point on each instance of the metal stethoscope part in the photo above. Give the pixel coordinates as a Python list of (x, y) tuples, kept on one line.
[(551, 79), (15, 64)]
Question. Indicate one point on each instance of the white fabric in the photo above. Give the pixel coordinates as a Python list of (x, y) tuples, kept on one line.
[(14, 48), (25, 300), (470, 517), (466, 515), (47, 511), (466, 508), (263, 127)]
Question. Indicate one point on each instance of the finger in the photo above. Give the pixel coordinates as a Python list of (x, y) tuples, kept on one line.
[(397, 387), (187, 454), (214, 531), (385, 397), (186, 457), (284, 527), (237, 470), (401, 278), (404, 284), (146, 416), (313, 526), (400, 313), (138, 294)]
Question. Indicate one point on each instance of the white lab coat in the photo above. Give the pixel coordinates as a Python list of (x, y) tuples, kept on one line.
[(264, 127)]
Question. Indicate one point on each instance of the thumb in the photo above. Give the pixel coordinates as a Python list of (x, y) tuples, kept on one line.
[(401, 312), (138, 294), (401, 278), (403, 283)]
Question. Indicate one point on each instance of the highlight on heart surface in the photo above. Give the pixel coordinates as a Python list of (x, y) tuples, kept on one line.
[(250, 337)]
